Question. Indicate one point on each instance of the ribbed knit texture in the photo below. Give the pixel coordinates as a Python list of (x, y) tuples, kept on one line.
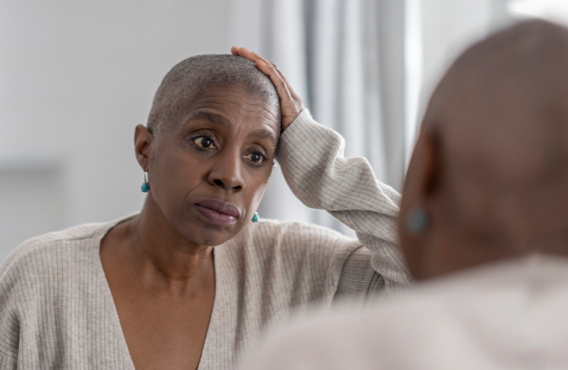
[(57, 311)]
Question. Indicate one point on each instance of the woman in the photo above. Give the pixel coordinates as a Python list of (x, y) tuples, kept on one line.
[(190, 282)]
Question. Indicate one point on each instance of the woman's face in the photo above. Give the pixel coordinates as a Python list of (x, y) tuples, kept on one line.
[(209, 167)]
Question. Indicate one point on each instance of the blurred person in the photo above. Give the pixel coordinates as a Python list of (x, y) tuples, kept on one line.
[(483, 226), (190, 282)]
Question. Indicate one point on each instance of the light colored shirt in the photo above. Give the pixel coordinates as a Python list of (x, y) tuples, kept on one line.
[(57, 311), (506, 316)]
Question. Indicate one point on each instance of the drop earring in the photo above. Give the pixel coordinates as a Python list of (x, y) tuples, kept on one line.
[(255, 217), (145, 185), (417, 220)]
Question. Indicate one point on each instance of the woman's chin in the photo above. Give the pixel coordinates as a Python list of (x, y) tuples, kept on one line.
[(211, 235)]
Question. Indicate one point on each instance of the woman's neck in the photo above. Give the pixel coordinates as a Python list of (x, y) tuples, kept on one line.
[(160, 259)]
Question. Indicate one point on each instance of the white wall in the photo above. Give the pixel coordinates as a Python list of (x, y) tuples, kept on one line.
[(75, 79), (448, 28), (443, 30)]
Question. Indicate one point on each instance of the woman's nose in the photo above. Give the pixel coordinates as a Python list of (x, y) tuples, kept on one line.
[(227, 173)]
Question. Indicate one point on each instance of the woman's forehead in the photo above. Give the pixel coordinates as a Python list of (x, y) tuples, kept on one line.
[(262, 128), (229, 108)]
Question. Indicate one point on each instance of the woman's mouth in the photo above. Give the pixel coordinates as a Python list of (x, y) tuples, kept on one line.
[(217, 212)]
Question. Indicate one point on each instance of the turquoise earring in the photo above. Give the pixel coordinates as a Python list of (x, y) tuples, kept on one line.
[(145, 185), (417, 220), (255, 217)]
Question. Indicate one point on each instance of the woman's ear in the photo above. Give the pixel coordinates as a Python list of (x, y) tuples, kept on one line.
[(427, 162), (143, 140), (422, 177), (421, 184)]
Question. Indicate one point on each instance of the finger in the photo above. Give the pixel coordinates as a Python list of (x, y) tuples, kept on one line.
[(246, 53), (290, 106), (277, 70), (280, 73), (255, 57), (266, 67), (242, 52), (275, 67), (274, 76)]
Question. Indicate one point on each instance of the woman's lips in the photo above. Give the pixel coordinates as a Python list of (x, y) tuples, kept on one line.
[(217, 212)]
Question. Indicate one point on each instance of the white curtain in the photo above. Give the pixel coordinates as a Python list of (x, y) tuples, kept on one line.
[(330, 51)]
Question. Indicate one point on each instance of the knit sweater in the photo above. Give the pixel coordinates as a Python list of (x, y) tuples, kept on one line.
[(57, 311)]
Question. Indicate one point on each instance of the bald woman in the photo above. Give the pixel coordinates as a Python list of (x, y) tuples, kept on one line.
[(195, 280), (483, 226)]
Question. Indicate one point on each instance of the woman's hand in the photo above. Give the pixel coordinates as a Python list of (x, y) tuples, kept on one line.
[(290, 103)]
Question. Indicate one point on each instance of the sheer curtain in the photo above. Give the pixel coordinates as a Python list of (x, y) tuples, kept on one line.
[(333, 54)]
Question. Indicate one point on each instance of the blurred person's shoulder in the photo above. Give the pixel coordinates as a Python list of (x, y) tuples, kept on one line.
[(392, 332), (474, 319)]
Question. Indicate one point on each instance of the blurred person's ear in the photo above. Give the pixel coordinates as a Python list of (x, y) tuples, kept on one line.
[(417, 206), (142, 142)]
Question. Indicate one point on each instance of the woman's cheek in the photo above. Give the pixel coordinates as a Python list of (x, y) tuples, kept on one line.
[(257, 197)]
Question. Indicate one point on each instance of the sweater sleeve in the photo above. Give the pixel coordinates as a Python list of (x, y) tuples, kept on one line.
[(312, 161), (9, 322), (8, 362)]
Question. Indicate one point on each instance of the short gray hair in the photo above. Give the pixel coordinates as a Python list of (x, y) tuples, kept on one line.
[(192, 76)]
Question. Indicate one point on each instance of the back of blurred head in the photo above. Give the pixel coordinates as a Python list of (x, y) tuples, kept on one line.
[(488, 179)]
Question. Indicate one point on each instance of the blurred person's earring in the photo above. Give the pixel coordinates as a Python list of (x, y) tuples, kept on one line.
[(145, 185), (417, 220), (255, 217)]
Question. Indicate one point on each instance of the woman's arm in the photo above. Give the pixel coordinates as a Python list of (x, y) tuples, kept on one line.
[(7, 362), (313, 164), (9, 302), (312, 161)]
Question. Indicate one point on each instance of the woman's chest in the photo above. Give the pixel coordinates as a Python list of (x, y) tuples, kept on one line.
[(161, 334)]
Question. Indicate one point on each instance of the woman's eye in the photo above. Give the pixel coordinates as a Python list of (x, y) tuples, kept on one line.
[(203, 142), (256, 158)]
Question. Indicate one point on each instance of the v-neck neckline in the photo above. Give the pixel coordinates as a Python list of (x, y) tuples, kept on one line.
[(111, 307)]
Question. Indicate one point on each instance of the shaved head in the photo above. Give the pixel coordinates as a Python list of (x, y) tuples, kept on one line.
[(498, 128), (192, 76), (503, 112)]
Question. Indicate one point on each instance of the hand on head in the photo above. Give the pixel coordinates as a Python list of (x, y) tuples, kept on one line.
[(290, 102), (490, 169)]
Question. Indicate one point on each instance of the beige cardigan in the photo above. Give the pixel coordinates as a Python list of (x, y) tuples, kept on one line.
[(57, 311)]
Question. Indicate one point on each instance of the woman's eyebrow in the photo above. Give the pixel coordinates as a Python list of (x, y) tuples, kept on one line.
[(264, 134), (211, 117), (221, 120)]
